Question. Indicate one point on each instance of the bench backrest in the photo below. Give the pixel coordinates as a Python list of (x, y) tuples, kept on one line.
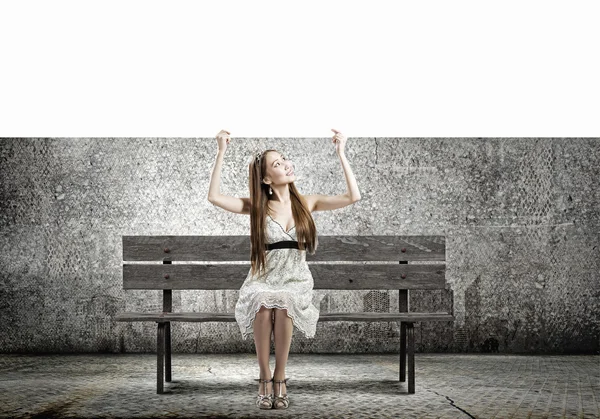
[(386, 262)]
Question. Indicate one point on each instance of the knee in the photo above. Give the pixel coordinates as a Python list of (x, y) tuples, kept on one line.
[(264, 314), (281, 313)]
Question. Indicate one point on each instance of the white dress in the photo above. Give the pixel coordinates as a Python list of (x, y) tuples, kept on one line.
[(287, 283)]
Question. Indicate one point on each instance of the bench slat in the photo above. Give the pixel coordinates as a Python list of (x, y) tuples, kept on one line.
[(237, 248), (326, 276), (367, 317), (229, 317)]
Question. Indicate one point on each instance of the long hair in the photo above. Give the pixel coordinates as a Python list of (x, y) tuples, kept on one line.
[(306, 231)]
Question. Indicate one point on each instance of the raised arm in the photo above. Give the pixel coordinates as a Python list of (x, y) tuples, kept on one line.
[(229, 203), (352, 195)]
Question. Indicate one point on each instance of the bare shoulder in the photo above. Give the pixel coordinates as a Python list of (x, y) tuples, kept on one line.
[(246, 206), (320, 202), (310, 201), (232, 203)]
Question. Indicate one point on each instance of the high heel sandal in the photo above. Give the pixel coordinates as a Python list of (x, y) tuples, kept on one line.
[(265, 401), (281, 400)]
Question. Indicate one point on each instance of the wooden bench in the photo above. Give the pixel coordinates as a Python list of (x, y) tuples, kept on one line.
[(401, 276)]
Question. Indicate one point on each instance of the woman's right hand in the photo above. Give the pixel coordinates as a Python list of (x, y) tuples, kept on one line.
[(223, 139)]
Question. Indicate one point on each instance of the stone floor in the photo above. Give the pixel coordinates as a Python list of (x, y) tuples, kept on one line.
[(320, 386)]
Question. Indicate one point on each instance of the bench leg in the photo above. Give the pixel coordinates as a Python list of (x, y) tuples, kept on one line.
[(160, 358), (402, 352), (168, 352), (411, 357)]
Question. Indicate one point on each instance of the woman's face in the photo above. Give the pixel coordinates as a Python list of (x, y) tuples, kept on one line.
[(278, 167)]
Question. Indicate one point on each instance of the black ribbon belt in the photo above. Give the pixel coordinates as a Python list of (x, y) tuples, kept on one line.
[(284, 244)]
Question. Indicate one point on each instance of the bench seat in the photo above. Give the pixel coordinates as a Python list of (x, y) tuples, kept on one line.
[(324, 317)]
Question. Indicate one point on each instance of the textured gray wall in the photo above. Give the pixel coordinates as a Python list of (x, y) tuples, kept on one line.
[(521, 219)]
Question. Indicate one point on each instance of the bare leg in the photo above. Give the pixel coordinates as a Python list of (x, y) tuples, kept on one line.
[(283, 338), (263, 327)]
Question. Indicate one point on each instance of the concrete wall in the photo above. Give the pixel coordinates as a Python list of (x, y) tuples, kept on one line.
[(521, 219)]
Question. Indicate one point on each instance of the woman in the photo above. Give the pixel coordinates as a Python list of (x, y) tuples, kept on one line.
[(277, 293)]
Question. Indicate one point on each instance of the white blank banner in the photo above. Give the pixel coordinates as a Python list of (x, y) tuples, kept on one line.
[(267, 68)]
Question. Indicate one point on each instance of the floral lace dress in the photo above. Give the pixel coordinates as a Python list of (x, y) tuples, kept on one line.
[(287, 283)]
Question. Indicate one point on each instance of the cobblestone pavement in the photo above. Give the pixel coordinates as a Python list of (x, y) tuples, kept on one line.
[(320, 386)]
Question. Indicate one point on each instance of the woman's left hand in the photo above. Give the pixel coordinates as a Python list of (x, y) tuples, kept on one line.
[(340, 141)]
